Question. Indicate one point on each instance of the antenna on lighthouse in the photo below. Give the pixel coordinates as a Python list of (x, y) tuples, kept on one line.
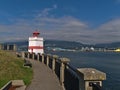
[(36, 43)]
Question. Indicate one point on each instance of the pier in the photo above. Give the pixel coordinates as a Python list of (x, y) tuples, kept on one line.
[(54, 73)]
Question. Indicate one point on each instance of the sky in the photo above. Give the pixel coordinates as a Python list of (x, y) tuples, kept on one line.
[(85, 21)]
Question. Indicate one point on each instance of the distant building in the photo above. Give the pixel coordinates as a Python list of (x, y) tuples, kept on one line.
[(92, 49), (36, 43), (117, 50)]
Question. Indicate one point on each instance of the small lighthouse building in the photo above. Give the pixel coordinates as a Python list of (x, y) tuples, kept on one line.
[(36, 43)]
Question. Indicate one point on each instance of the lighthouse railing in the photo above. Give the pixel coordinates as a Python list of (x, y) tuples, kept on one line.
[(70, 78)]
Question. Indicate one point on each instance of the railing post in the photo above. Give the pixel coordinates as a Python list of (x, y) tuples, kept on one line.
[(64, 61), (53, 62), (38, 56), (89, 76), (23, 54), (1, 47), (14, 47), (28, 55), (8, 47), (42, 58), (33, 56), (48, 56)]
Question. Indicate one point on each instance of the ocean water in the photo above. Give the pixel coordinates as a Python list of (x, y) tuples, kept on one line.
[(108, 62)]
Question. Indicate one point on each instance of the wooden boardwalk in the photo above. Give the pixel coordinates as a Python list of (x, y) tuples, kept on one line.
[(44, 78)]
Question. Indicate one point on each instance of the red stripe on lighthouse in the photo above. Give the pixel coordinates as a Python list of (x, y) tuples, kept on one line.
[(35, 47)]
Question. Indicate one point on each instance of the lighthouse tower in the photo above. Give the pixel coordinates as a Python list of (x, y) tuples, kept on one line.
[(35, 43)]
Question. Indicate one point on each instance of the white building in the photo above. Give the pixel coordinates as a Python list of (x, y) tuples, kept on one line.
[(36, 44)]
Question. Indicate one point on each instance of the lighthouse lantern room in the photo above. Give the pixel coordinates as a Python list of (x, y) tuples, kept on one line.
[(36, 43)]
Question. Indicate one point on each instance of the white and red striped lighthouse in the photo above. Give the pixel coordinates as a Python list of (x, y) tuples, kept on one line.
[(36, 43)]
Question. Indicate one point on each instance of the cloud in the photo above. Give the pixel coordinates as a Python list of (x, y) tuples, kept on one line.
[(61, 28), (55, 6), (109, 31), (64, 28), (46, 11), (118, 1)]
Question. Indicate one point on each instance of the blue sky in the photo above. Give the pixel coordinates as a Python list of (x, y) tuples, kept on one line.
[(86, 21)]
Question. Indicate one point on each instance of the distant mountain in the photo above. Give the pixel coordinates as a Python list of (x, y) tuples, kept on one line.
[(63, 44), (109, 45), (66, 44), (18, 43)]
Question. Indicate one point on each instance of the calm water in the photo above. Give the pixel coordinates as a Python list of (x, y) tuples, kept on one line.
[(108, 62)]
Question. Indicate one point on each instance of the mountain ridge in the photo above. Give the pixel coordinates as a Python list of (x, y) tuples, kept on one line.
[(68, 44)]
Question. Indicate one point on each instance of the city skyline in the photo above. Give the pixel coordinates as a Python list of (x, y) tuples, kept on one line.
[(85, 21)]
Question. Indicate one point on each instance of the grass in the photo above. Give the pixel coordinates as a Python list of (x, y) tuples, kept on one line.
[(11, 68)]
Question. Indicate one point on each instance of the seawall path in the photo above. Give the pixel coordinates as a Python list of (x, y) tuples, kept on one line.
[(43, 78)]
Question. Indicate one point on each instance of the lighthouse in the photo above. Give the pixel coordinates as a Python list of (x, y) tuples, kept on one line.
[(36, 43)]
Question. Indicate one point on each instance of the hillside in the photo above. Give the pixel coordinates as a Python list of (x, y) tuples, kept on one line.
[(11, 68), (109, 45), (22, 45), (62, 44)]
